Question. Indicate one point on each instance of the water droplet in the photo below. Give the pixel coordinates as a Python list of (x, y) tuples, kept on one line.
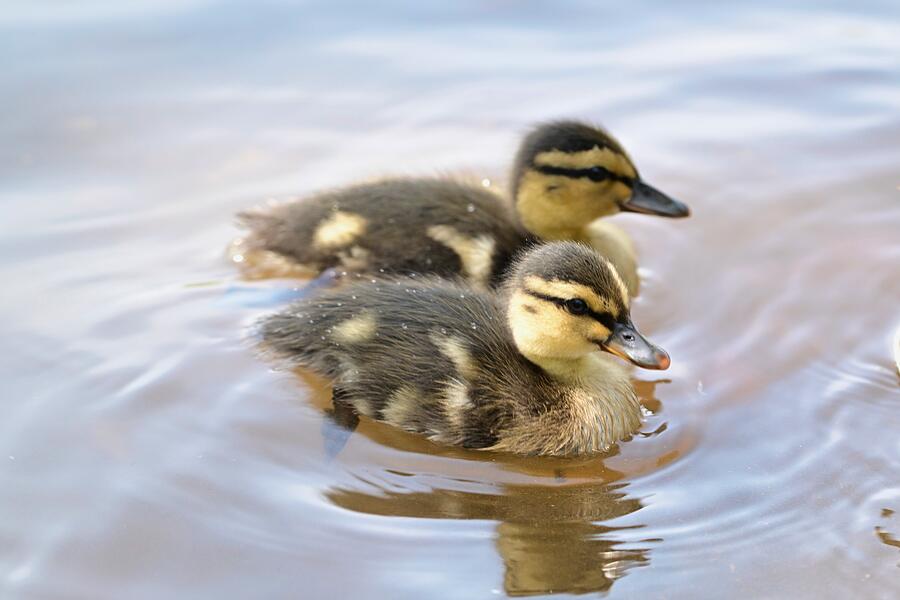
[(486, 182), (403, 326), (474, 326), (444, 330), (374, 281), (381, 270), (353, 296), (470, 207), (238, 258), (462, 296)]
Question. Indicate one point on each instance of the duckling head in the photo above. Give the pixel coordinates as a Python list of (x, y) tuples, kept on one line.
[(565, 302), (568, 174)]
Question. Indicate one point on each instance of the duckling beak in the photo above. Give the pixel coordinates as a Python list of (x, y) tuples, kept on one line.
[(650, 201), (627, 342)]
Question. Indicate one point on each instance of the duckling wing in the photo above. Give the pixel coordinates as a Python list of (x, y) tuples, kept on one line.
[(414, 354), (436, 226)]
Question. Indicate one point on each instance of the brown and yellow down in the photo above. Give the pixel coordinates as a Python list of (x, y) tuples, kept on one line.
[(516, 371), (566, 176)]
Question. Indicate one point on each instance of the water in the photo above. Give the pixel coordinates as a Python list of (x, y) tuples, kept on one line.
[(146, 451)]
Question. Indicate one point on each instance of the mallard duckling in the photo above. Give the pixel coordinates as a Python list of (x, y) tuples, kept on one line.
[(566, 176), (515, 371)]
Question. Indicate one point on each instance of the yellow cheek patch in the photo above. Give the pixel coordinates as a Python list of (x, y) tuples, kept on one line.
[(567, 290), (620, 191), (599, 332), (555, 207), (355, 330), (340, 229), (548, 332), (476, 254), (607, 158)]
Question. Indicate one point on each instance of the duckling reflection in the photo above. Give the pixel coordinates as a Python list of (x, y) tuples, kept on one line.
[(550, 538)]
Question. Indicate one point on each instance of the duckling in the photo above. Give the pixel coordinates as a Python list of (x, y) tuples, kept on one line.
[(516, 370), (566, 176)]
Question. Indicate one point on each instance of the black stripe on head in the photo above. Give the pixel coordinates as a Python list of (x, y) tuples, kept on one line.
[(565, 136), (605, 319), (593, 173), (571, 262)]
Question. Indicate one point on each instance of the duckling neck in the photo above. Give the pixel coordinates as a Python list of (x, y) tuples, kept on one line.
[(557, 232), (567, 370)]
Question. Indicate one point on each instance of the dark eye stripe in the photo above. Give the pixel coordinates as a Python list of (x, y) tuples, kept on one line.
[(605, 319), (593, 173)]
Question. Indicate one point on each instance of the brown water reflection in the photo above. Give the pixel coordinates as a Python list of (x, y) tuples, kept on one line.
[(147, 452), (548, 536)]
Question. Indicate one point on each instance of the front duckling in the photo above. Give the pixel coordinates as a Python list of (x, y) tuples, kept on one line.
[(566, 176), (517, 371)]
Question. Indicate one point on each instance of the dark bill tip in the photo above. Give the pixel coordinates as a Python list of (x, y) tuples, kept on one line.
[(650, 201), (626, 342)]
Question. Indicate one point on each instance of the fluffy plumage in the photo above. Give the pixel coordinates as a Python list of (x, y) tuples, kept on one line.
[(566, 176), (414, 225), (474, 368)]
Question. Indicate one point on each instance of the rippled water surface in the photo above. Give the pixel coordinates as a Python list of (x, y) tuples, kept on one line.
[(146, 451)]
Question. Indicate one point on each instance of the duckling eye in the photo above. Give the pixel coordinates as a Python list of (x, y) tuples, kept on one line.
[(577, 306)]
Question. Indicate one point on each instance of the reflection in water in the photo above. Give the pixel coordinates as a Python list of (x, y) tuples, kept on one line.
[(550, 537), (884, 535)]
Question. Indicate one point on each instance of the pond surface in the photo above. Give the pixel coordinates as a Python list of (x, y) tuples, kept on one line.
[(147, 451)]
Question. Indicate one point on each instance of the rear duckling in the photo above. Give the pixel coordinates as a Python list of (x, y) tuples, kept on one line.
[(566, 176), (517, 371)]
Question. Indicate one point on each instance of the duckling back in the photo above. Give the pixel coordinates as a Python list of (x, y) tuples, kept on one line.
[(409, 352), (428, 226)]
